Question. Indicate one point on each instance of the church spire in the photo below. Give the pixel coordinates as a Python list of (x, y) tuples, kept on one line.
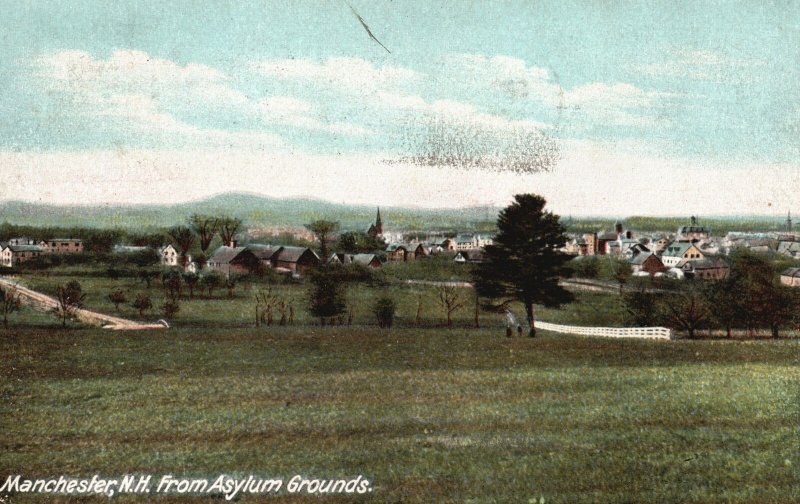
[(378, 223)]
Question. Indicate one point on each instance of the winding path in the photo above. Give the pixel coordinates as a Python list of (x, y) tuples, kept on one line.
[(46, 303)]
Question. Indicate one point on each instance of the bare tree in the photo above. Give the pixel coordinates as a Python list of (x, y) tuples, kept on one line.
[(228, 227), (205, 227), (688, 310), (324, 231), (10, 303), (183, 239), (450, 299), (69, 298)]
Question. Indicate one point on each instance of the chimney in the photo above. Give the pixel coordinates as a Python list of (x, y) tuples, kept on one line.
[(233, 243)]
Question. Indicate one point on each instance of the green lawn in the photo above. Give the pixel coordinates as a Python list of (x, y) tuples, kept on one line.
[(591, 308), (426, 414)]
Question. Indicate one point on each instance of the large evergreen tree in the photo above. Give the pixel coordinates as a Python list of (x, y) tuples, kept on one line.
[(525, 263)]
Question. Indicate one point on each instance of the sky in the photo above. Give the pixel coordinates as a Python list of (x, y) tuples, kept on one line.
[(605, 108)]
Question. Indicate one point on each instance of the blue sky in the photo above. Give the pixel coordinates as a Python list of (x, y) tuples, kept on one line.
[(491, 92)]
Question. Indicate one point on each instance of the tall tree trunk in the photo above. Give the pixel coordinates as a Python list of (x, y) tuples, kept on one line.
[(531, 319), (477, 314)]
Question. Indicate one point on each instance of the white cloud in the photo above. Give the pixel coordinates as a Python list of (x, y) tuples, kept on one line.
[(703, 65), (350, 74), (299, 113)]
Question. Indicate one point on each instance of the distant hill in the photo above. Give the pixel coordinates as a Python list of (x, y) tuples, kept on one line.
[(255, 210), (265, 211)]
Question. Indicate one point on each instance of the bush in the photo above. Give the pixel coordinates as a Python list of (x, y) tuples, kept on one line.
[(384, 310), (142, 303), (171, 308)]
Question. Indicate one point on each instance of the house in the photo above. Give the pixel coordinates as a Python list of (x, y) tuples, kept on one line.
[(295, 259), (646, 262), (470, 256), (417, 249), (466, 242), (340, 259), (791, 277), (712, 268), (396, 252), (448, 244), (677, 252), (128, 249), (23, 240), (13, 255), (659, 243), (62, 245), (232, 260), (789, 249), (603, 240), (432, 248), (368, 260), (693, 232), (577, 247), (263, 253), (169, 256), (482, 241)]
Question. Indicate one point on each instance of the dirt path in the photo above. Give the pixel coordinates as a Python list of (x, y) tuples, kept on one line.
[(44, 302)]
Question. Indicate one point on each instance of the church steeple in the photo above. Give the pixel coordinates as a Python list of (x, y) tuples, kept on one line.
[(378, 223)]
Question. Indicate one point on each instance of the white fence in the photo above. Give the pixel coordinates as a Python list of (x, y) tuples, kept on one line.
[(611, 332)]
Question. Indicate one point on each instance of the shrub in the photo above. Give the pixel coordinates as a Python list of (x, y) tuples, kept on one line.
[(384, 310), (142, 303), (171, 308)]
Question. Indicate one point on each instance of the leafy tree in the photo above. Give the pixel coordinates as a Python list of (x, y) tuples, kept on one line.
[(451, 300), (327, 296), (585, 267), (384, 311), (183, 239), (191, 280), (775, 306), (142, 303), (101, 241), (211, 281), (324, 231), (143, 258), (10, 303), (230, 284), (69, 298), (689, 310), (728, 305), (525, 262), (356, 242), (173, 284), (641, 307), (205, 227), (622, 274), (146, 276), (171, 308), (228, 227), (118, 297)]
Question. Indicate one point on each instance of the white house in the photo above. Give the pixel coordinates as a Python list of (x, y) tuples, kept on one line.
[(169, 256)]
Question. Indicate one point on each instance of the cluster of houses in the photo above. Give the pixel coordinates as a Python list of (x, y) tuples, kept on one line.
[(19, 250), (691, 252)]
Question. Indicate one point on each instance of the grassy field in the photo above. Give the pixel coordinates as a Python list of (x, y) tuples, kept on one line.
[(591, 308), (426, 415)]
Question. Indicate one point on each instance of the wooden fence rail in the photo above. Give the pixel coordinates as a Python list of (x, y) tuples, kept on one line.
[(611, 332)]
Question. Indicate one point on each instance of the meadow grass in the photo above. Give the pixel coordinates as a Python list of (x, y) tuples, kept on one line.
[(427, 415), (590, 308)]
